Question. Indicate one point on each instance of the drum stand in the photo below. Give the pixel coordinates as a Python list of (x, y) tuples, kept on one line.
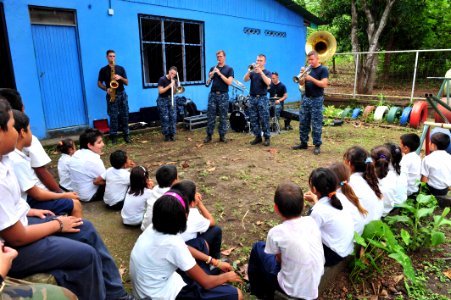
[(273, 120)]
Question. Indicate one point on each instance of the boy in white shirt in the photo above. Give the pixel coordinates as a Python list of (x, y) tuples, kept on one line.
[(411, 161), (58, 203), (436, 167), (292, 260), (166, 176), (117, 179)]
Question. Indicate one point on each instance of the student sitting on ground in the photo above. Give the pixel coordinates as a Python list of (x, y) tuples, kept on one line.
[(201, 223), (59, 203), (135, 200), (86, 165), (166, 176), (116, 179), (160, 251), (292, 259), (395, 169), (348, 198), (436, 167), (76, 256), (67, 148), (364, 182), (39, 159), (411, 161), (387, 180), (335, 223)]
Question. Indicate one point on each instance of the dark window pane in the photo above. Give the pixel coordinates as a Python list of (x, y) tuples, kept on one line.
[(151, 30), (174, 57), (193, 63), (153, 63), (192, 33), (172, 32)]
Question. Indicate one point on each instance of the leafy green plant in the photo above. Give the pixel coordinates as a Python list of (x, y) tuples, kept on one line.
[(332, 112), (421, 230), (376, 241)]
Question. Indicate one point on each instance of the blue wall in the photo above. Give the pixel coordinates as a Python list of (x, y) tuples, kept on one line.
[(97, 32)]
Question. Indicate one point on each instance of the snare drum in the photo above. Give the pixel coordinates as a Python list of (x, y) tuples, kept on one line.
[(239, 121)]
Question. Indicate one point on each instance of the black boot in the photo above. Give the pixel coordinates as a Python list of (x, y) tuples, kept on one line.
[(113, 139), (127, 139), (257, 140)]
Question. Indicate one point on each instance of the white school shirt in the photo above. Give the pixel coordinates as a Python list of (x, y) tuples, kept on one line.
[(389, 189), (38, 157), (117, 183), (336, 226), (153, 264), (357, 218), (85, 166), (367, 197), (156, 193), (64, 172), (401, 186), (12, 207), (134, 206), (299, 243), (437, 168), (195, 224), (24, 173), (411, 167)]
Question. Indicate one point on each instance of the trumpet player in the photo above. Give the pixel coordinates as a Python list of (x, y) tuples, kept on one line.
[(221, 76), (259, 110), (117, 99), (167, 111), (311, 111)]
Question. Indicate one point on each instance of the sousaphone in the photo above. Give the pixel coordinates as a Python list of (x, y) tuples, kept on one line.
[(322, 42)]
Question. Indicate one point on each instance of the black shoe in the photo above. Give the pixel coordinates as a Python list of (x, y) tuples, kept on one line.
[(289, 127), (316, 151), (172, 138), (301, 146), (222, 139), (167, 138), (267, 142), (257, 140), (127, 139), (207, 139), (113, 139)]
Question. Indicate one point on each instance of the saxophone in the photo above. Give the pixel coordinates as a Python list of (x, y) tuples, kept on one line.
[(113, 84)]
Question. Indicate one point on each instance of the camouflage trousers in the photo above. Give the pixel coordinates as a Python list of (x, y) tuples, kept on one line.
[(217, 104), (259, 115), (311, 118), (118, 110), (168, 115), (20, 290)]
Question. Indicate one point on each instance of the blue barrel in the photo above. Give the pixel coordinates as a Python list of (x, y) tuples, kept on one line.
[(445, 131), (405, 116), (356, 113)]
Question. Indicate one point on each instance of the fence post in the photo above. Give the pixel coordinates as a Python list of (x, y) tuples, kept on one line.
[(355, 74), (414, 77)]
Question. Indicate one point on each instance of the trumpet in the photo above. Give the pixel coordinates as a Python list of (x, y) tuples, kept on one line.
[(302, 74), (210, 77), (252, 66)]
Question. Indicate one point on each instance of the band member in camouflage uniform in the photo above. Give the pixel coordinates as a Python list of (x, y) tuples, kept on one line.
[(168, 113), (119, 107), (259, 111), (218, 99), (311, 111)]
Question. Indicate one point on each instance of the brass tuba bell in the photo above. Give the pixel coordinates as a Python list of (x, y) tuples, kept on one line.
[(322, 42)]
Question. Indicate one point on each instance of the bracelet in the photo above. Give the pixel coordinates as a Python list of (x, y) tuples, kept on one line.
[(60, 222), (208, 261)]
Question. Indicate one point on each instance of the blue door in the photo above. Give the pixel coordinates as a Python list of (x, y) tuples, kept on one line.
[(58, 65)]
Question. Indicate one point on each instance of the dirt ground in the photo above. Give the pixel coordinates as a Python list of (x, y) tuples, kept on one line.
[(238, 181)]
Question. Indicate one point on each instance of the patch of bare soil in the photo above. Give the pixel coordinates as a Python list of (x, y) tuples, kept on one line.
[(238, 181)]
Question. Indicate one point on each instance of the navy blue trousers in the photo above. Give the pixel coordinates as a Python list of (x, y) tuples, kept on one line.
[(79, 262), (213, 236), (259, 116), (168, 115), (311, 117), (118, 110), (217, 103)]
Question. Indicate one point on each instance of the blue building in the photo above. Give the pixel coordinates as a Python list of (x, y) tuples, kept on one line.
[(54, 49)]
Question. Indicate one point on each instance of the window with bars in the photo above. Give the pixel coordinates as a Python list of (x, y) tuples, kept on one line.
[(167, 42)]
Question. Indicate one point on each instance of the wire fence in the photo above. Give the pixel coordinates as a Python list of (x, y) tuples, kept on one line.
[(400, 74)]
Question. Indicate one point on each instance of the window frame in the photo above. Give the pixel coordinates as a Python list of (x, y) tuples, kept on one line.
[(183, 44)]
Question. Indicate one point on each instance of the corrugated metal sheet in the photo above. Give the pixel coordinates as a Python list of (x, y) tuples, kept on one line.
[(59, 75)]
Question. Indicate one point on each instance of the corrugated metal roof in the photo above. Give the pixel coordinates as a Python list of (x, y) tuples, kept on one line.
[(301, 11)]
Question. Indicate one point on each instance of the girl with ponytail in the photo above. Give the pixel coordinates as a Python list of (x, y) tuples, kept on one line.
[(364, 182), (347, 196), (395, 172), (335, 223)]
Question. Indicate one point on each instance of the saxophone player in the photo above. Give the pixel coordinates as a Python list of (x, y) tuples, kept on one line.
[(112, 79), (218, 100)]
